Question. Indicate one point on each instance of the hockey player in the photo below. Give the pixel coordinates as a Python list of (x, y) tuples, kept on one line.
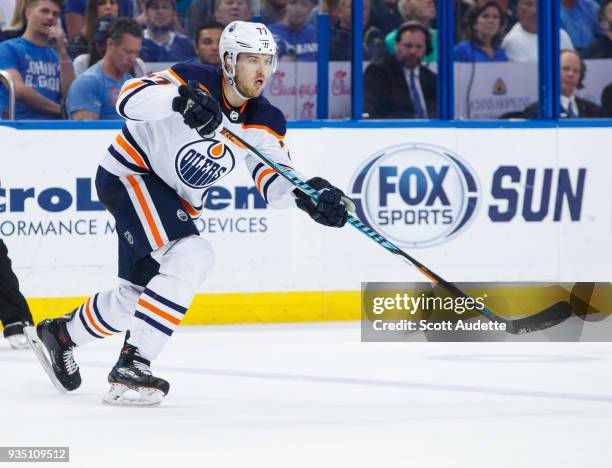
[(154, 180)]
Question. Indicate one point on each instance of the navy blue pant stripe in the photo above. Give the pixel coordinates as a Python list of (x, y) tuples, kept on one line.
[(164, 301), (128, 136), (97, 312), (153, 323), (257, 168), (89, 330), (124, 161), (266, 185)]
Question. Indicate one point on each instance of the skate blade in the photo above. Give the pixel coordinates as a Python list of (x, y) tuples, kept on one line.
[(39, 352), (147, 397)]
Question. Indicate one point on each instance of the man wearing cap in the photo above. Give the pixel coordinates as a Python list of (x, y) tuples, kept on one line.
[(93, 93), (161, 43)]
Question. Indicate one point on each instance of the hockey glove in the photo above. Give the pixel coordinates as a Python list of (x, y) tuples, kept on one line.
[(199, 109), (331, 209)]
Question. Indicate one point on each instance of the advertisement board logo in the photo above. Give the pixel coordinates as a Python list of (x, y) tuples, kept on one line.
[(201, 163), (499, 87), (415, 194)]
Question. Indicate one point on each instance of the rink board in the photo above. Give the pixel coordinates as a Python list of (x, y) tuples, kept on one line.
[(475, 205)]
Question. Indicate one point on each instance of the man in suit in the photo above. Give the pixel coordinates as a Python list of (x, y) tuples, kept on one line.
[(398, 86), (573, 72)]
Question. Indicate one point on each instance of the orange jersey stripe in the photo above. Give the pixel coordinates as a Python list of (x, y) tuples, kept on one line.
[(175, 75), (190, 209), (132, 86), (132, 152), (91, 320), (146, 210), (266, 129), (158, 311), (262, 175)]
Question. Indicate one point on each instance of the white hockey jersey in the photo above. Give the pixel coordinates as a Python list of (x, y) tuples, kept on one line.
[(155, 139)]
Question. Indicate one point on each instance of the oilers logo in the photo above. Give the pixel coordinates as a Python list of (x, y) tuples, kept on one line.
[(415, 194), (201, 163)]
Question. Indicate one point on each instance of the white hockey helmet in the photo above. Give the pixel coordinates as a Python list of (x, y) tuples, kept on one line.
[(243, 36)]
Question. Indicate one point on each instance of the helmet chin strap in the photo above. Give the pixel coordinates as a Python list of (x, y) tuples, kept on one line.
[(231, 77), (232, 83)]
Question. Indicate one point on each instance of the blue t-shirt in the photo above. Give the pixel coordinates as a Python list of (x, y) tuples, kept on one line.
[(581, 22), (300, 45), (126, 7), (181, 48), (94, 91), (40, 70), (467, 51)]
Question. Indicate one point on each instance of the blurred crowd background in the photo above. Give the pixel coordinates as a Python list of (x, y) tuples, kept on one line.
[(67, 59)]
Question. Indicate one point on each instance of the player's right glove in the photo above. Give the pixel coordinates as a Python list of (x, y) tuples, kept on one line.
[(331, 209), (199, 109)]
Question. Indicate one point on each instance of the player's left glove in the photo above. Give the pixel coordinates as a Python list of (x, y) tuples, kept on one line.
[(333, 206), (199, 109)]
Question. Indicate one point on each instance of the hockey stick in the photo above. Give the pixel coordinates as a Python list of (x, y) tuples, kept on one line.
[(546, 318)]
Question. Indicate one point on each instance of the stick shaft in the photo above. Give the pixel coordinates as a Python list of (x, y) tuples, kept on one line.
[(356, 223)]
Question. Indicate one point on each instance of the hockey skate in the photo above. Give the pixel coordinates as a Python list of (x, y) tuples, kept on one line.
[(53, 348), (131, 374), (15, 335)]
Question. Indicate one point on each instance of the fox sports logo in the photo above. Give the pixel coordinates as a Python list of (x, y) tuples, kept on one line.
[(201, 163), (415, 194)]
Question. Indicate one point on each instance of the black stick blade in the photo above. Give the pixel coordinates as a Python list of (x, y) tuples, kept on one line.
[(549, 317)]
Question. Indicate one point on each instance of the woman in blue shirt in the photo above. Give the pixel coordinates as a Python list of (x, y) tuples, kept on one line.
[(485, 30)]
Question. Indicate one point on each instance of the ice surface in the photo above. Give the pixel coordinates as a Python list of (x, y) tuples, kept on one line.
[(315, 396)]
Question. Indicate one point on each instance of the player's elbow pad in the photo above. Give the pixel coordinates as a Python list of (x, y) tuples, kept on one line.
[(143, 99)]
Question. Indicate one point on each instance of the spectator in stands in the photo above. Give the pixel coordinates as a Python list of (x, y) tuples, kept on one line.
[(606, 100), (340, 42), (385, 15), (399, 86), (161, 43), (207, 43), (75, 14), (484, 35), (272, 11), (227, 11), (579, 19), (602, 47), (97, 48), (17, 25), (423, 11), (330, 7), (521, 42), (95, 9), (573, 72), (181, 9), (295, 38), (7, 7), (200, 12), (93, 93), (41, 72)]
